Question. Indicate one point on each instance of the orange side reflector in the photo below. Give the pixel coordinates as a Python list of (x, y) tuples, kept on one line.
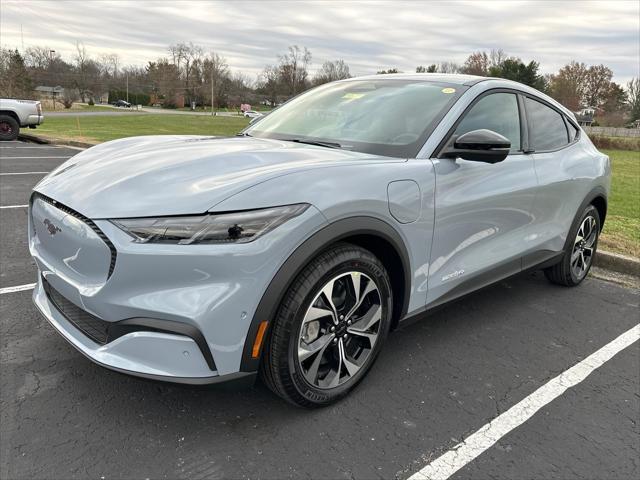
[(255, 353)]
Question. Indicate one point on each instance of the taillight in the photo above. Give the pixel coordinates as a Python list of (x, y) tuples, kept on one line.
[(39, 108)]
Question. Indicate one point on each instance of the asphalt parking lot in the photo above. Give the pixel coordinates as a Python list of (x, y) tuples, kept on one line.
[(436, 382)]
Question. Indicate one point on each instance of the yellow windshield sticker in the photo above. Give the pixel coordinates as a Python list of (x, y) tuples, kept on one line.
[(353, 95), (448, 90)]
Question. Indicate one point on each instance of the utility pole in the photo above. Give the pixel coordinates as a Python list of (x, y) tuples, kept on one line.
[(212, 92), (53, 93), (127, 87)]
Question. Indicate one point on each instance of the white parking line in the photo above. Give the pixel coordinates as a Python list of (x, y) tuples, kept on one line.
[(14, 206), (34, 158), (25, 173), (470, 448), (19, 288)]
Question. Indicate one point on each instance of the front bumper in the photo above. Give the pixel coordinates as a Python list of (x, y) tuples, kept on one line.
[(148, 354), (171, 291)]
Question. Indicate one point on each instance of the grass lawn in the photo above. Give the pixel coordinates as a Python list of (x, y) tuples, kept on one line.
[(96, 129), (622, 227)]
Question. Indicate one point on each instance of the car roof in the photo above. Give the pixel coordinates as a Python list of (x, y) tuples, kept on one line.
[(455, 78)]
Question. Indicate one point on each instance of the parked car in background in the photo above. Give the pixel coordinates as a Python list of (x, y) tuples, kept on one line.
[(16, 114), (295, 247), (253, 114), (121, 103)]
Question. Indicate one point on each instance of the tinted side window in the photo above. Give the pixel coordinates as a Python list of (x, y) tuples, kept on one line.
[(546, 126), (497, 112)]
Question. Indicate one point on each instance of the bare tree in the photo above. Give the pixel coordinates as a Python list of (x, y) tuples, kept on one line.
[(449, 67), (293, 68), (87, 72), (40, 57), (477, 64), (497, 57), (269, 83), (109, 64), (633, 98), (216, 72), (331, 71)]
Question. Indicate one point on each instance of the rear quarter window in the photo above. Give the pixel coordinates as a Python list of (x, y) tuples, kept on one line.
[(547, 128)]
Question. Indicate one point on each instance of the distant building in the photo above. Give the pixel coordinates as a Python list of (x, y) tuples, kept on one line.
[(585, 116), (45, 92)]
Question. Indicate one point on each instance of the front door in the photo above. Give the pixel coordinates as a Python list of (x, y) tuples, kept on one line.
[(482, 210)]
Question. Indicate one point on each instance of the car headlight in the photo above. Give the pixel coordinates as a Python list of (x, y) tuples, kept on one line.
[(235, 227)]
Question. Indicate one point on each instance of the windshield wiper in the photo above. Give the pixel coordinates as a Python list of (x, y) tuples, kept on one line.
[(242, 134), (314, 142)]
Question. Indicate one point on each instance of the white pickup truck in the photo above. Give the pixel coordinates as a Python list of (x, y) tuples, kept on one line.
[(15, 114)]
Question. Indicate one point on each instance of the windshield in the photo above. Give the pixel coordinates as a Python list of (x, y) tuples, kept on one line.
[(384, 117)]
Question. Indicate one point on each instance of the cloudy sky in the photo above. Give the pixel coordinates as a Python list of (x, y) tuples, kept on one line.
[(368, 35)]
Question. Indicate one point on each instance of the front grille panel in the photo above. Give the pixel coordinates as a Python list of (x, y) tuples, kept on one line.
[(93, 327), (88, 221)]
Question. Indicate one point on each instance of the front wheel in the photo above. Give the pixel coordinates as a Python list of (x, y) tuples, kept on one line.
[(580, 251), (330, 327)]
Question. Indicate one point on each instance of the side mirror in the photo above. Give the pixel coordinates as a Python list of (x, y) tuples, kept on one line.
[(479, 146)]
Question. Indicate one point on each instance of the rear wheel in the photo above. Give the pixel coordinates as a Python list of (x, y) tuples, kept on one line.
[(9, 128), (330, 327), (579, 254)]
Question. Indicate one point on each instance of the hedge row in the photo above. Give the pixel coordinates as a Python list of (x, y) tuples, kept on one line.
[(134, 98), (616, 143)]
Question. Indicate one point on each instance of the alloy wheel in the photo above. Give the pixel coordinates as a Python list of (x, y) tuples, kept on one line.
[(584, 247), (339, 330)]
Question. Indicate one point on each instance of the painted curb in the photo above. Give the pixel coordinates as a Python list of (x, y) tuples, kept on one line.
[(617, 263)]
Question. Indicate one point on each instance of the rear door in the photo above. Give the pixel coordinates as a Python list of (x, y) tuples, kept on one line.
[(482, 211), (564, 173)]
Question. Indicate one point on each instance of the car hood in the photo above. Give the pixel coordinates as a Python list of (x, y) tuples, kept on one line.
[(173, 175)]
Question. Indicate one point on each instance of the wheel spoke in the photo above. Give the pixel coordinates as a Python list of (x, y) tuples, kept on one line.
[(575, 255), (579, 235), (305, 351), (373, 315), (369, 336), (334, 380), (591, 239), (312, 373), (355, 283), (327, 291), (371, 286), (351, 367), (314, 313)]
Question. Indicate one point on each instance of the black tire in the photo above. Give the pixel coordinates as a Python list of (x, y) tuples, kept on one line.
[(280, 368), (563, 273), (9, 128)]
